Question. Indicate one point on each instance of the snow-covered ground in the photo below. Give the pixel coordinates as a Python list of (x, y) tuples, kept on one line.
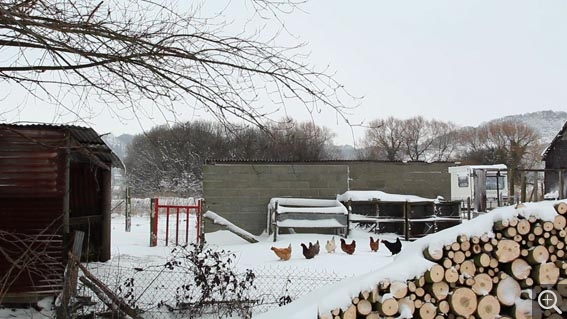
[(340, 276)]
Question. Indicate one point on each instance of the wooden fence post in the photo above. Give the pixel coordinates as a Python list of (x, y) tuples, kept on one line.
[(153, 221), (128, 210), (562, 193)]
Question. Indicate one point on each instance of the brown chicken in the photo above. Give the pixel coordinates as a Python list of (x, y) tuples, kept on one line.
[(316, 247), (309, 252), (283, 253), (374, 244), (348, 248)]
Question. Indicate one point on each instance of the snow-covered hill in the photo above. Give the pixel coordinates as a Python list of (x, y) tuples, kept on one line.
[(118, 144), (546, 123)]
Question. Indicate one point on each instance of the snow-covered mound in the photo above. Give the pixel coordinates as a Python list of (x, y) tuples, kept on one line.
[(409, 264)]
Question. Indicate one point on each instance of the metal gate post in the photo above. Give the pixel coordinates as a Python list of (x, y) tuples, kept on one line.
[(177, 226), (167, 226), (187, 210)]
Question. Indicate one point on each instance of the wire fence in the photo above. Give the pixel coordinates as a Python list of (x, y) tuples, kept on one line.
[(157, 290)]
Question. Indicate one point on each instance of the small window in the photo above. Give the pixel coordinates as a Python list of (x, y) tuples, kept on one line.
[(491, 183), (463, 181)]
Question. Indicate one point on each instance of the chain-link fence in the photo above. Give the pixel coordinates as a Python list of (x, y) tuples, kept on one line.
[(158, 290)]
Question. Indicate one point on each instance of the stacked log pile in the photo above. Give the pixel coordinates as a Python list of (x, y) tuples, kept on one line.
[(488, 276)]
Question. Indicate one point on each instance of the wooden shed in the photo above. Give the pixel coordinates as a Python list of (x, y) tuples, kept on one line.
[(555, 158), (53, 180)]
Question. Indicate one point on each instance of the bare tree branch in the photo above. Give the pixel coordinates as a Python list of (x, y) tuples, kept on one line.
[(127, 53)]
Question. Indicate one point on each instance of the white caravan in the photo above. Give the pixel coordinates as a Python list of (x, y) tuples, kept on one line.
[(466, 182)]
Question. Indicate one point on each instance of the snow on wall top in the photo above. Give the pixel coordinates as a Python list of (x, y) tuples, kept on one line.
[(368, 196), (407, 265)]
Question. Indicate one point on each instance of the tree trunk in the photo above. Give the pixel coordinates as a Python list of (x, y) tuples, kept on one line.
[(433, 254), (523, 227), (488, 307), (519, 269), (561, 208), (398, 289), (388, 307), (546, 274), (427, 311), (482, 284), (467, 269), (435, 274), (507, 291), (350, 313), (538, 255), (439, 290), (507, 250), (463, 302), (364, 307)]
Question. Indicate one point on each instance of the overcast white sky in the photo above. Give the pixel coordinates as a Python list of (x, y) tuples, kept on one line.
[(461, 61)]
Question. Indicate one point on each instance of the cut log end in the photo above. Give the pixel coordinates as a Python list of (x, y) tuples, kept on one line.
[(561, 208), (463, 302)]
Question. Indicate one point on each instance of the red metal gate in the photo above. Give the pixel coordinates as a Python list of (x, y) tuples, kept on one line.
[(177, 210)]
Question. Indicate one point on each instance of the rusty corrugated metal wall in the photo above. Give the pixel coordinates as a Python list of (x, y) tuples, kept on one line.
[(53, 180), (32, 166)]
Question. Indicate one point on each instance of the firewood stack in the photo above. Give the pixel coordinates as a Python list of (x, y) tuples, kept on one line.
[(478, 277)]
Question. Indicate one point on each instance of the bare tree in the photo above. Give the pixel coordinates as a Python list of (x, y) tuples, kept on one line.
[(509, 142), (129, 54), (383, 140), (299, 141), (444, 140), (412, 139), (169, 160)]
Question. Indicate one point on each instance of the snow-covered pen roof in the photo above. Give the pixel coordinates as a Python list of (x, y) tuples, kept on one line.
[(369, 196), (303, 202), (307, 205), (339, 209), (409, 264), (303, 223)]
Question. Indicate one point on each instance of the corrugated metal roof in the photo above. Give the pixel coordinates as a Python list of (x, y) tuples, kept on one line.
[(85, 136), (555, 139)]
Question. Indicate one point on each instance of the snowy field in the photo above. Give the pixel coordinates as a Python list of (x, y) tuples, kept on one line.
[(337, 276)]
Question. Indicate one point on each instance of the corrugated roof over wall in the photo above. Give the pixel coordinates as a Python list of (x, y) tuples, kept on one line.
[(87, 140)]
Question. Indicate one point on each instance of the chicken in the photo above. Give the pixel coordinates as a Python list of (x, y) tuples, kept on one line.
[(308, 252), (315, 247), (348, 248), (393, 247), (283, 253), (330, 246), (374, 244)]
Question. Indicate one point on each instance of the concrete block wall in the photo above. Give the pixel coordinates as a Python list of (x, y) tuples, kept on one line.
[(413, 178), (241, 192)]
